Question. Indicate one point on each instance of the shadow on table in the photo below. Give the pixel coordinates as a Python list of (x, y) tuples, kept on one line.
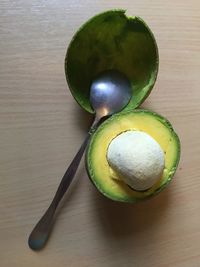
[(120, 220), (82, 118)]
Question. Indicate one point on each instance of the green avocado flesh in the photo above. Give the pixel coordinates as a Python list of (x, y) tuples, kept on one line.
[(111, 40), (96, 158)]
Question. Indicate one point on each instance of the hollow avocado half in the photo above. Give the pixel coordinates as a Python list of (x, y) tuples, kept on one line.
[(112, 40), (143, 120)]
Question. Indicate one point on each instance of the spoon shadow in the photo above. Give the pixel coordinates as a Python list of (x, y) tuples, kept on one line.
[(84, 121), (82, 118)]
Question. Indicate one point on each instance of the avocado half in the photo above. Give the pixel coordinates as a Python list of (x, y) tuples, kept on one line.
[(143, 120), (112, 40)]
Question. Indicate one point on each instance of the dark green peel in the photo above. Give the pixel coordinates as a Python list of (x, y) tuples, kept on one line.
[(112, 40)]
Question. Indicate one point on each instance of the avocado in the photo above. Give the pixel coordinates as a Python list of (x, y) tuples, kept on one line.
[(112, 40), (97, 164)]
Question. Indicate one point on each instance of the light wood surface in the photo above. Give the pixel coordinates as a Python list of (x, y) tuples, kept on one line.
[(41, 127)]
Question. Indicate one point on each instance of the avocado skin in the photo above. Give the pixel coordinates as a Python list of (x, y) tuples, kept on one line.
[(158, 190), (112, 40)]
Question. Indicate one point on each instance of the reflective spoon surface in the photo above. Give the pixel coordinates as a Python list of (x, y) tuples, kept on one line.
[(110, 92)]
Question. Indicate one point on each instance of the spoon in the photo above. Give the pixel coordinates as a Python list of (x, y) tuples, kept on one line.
[(110, 92)]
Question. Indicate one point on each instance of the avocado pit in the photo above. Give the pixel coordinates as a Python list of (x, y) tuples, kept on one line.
[(136, 159)]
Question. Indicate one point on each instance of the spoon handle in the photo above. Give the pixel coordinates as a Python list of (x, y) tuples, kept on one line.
[(41, 231)]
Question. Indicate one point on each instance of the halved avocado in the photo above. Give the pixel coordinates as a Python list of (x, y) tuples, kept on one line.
[(149, 122), (111, 40)]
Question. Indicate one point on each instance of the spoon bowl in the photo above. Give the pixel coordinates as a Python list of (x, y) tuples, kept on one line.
[(110, 92)]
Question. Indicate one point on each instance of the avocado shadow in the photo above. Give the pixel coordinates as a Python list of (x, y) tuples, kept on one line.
[(116, 219), (123, 220)]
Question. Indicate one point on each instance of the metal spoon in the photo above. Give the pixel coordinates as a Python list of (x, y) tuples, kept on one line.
[(110, 92)]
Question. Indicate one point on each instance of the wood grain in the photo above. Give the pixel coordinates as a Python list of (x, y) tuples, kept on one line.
[(41, 128)]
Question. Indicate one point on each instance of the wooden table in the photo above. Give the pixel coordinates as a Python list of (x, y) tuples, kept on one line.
[(41, 127)]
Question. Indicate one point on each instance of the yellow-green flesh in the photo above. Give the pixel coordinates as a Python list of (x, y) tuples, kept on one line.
[(151, 123)]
